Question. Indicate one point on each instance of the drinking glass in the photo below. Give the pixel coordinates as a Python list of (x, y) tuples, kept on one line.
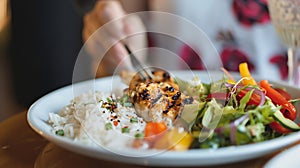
[(4, 13), (285, 15)]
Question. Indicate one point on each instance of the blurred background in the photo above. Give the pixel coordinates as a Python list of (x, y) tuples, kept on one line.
[(39, 43)]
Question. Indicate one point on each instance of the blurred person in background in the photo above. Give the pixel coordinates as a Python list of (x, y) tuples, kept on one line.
[(46, 39), (48, 35), (240, 30)]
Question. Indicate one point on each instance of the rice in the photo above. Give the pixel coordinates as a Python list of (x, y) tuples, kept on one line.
[(96, 118)]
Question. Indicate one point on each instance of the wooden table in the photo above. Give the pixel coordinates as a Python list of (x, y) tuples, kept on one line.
[(20, 146)]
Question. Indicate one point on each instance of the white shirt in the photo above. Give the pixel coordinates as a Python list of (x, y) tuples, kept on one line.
[(257, 41)]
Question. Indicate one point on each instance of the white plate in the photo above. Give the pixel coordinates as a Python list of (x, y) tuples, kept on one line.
[(54, 101), (288, 158)]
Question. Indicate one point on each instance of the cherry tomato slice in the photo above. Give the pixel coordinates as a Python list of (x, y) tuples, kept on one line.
[(284, 93), (279, 128)]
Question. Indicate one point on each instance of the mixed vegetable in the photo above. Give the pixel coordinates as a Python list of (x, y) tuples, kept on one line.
[(227, 112)]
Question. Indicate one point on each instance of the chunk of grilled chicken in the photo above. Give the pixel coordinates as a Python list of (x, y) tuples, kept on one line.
[(158, 98)]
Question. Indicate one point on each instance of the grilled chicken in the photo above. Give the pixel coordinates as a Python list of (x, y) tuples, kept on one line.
[(158, 98)]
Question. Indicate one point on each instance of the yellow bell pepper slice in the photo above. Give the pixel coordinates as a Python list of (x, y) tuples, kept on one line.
[(174, 139), (245, 74)]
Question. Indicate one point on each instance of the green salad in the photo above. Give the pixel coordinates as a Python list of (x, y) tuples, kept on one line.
[(237, 112)]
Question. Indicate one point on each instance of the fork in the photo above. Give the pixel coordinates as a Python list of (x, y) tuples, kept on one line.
[(137, 65), (145, 75)]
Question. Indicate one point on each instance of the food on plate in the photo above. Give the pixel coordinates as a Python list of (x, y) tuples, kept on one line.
[(97, 118), (210, 115), (158, 98)]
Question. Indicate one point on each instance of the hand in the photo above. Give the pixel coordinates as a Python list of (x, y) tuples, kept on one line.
[(128, 28)]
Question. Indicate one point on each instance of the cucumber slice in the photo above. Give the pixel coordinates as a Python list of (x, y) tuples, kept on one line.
[(190, 111), (285, 122)]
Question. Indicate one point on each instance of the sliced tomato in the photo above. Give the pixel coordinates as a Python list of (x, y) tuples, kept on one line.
[(279, 128), (254, 99), (218, 96), (284, 93), (288, 109)]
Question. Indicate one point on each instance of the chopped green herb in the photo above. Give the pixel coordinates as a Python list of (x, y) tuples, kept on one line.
[(133, 120), (60, 132), (108, 100), (125, 130), (139, 135), (124, 101), (108, 126)]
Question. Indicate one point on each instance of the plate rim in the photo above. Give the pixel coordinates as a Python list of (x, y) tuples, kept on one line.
[(277, 158), (176, 157)]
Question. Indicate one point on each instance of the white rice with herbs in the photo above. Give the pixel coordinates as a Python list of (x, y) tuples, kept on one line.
[(90, 119)]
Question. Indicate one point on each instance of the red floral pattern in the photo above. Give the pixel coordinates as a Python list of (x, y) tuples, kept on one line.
[(191, 58), (232, 57), (250, 12), (280, 60)]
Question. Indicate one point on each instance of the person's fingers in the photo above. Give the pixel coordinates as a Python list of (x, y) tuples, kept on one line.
[(138, 37), (111, 11), (110, 56), (91, 24), (110, 64), (103, 13), (133, 24), (99, 40), (114, 26)]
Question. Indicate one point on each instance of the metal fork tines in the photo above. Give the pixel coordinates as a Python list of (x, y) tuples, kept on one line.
[(137, 65)]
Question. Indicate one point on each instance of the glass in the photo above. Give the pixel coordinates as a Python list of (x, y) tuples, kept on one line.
[(4, 26), (285, 15), (4, 14)]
